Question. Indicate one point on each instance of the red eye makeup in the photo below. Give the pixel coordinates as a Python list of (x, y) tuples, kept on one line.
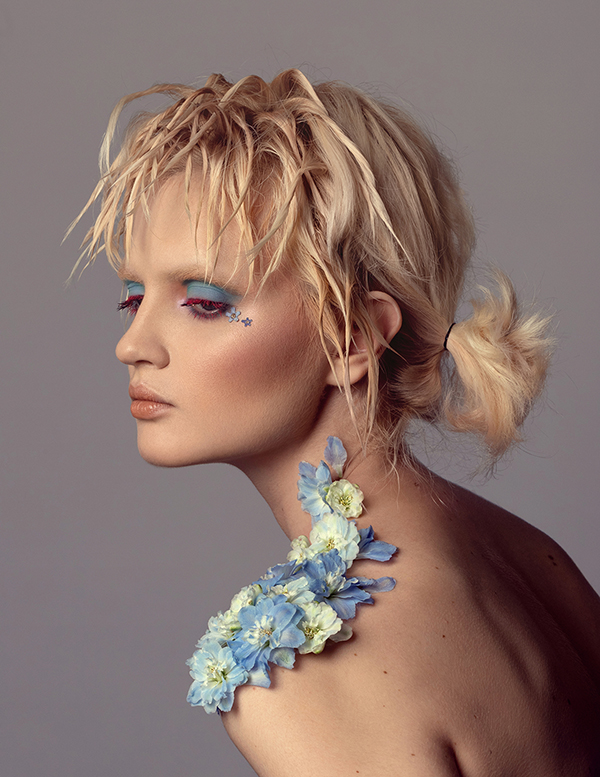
[(135, 295), (205, 300)]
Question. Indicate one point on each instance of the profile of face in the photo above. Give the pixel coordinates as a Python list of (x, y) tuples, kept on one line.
[(219, 371)]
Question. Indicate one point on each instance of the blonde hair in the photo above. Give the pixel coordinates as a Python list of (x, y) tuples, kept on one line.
[(350, 195)]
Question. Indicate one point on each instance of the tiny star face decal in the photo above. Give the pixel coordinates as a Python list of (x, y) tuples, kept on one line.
[(233, 314)]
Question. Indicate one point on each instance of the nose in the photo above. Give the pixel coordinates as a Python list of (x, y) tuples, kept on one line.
[(142, 343)]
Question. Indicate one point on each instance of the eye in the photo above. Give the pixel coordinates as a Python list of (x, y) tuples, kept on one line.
[(135, 295), (206, 308), (205, 300)]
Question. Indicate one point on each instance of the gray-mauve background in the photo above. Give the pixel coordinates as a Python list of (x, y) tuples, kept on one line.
[(110, 567)]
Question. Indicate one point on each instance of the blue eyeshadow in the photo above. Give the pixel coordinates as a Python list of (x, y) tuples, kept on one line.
[(207, 291), (134, 289)]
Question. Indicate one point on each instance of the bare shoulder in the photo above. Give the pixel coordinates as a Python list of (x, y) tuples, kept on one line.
[(480, 657), (349, 710), (537, 570), (359, 707)]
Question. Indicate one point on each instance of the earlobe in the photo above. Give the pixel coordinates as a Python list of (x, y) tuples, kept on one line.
[(386, 317)]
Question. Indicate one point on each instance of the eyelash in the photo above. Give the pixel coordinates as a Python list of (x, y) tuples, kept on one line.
[(132, 304), (218, 308)]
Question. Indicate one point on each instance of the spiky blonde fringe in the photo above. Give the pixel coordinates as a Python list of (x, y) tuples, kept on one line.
[(349, 195)]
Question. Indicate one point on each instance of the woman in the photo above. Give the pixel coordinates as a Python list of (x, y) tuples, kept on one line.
[(293, 258)]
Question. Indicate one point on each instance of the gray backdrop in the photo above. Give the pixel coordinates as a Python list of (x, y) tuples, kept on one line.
[(111, 568)]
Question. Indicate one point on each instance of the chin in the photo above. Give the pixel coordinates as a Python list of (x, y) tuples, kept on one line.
[(172, 453), (165, 455), (162, 458)]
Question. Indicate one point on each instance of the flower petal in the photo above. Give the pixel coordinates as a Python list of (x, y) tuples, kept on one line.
[(378, 586), (335, 455), (284, 657), (343, 634), (376, 550)]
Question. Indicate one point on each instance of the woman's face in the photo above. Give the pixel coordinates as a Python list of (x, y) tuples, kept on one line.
[(236, 374)]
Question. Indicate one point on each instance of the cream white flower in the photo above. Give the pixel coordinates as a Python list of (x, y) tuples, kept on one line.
[(295, 591), (318, 623), (221, 628), (301, 550), (334, 531), (345, 498), (245, 597)]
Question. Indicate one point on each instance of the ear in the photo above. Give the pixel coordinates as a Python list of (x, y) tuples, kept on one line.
[(387, 318)]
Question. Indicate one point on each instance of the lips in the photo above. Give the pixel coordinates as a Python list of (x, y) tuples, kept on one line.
[(146, 395), (146, 405)]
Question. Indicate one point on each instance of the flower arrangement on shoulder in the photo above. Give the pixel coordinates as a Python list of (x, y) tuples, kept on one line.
[(300, 604)]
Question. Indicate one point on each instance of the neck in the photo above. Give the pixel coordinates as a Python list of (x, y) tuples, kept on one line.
[(388, 493)]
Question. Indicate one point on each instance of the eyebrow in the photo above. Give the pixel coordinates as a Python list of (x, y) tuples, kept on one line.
[(191, 273)]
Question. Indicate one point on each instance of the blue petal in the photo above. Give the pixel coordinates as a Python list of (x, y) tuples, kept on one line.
[(249, 656), (323, 474), (259, 676), (284, 612), (311, 489), (335, 455), (226, 702), (346, 608), (376, 586), (291, 637), (277, 575), (369, 547), (345, 600), (284, 656), (195, 694), (378, 551), (306, 470)]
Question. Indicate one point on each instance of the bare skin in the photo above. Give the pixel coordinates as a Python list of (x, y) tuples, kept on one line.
[(483, 661)]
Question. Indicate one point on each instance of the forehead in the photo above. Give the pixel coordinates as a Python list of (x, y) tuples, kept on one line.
[(176, 243), (177, 233)]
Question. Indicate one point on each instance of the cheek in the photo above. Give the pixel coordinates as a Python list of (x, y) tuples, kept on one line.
[(272, 368)]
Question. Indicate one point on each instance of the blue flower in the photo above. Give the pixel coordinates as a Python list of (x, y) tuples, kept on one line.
[(233, 314), (312, 489), (216, 675), (326, 572), (246, 321), (347, 596), (266, 628), (329, 581)]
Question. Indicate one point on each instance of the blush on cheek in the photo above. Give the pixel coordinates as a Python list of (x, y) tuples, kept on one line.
[(283, 355), (259, 383)]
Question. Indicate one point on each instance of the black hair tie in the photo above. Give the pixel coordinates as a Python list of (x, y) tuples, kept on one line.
[(448, 335)]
